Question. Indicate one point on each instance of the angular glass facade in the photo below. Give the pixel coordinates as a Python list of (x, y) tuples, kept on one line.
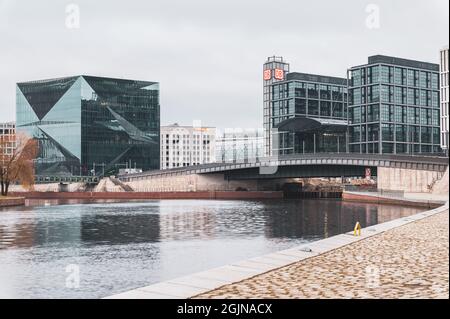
[(394, 107), (88, 125), (310, 96)]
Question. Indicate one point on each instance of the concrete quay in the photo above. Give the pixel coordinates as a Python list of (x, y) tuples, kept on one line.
[(11, 201), (403, 258)]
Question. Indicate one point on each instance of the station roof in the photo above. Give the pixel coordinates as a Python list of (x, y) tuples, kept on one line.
[(309, 124)]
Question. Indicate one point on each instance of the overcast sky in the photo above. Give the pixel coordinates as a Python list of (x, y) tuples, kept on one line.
[(208, 54)]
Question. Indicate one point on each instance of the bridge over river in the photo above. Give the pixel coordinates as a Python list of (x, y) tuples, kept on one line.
[(395, 172)]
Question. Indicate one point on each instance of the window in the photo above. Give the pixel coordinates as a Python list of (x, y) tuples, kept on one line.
[(313, 92), (373, 113), (325, 108), (388, 148), (356, 96), (423, 79), (401, 131), (313, 107), (300, 106), (337, 109), (325, 93), (385, 94), (387, 113), (398, 96), (373, 132), (385, 76), (398, 79), (434, 81), (373, 94), (356, 116), (356, 77), (426, 135), (411, 81), (374, 74), (355, 134), (387, 132)]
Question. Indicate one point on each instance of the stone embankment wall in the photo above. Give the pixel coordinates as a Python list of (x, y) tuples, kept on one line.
[(408, 180), (8, 202), (191, 183)]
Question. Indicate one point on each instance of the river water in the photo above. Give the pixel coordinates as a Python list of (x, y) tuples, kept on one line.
[(76, 249)]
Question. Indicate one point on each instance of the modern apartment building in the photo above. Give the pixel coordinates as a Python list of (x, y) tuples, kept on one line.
[(394, 107), (183, 146), (444, 98)]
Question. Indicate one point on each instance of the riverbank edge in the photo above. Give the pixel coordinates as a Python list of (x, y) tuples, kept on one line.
[(386, 200), (202, 282), (11, 201)]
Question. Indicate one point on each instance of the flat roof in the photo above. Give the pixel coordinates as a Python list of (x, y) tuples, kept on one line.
[(384, 59), (292, 76), (43, 81)]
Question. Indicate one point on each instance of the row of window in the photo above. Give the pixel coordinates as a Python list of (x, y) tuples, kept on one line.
[(309, 107), (398, 148), (394, 94), (394, 133), (309, 90), (394, 113), (394, 75)]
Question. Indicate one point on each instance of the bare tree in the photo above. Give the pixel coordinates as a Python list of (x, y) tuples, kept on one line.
[(17, 166)]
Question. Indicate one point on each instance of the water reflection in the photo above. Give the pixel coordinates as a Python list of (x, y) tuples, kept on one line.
[(121, 246)]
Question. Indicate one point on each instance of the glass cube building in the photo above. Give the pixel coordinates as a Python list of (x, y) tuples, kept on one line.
[(309, 114), (88, 125), (394, 107)]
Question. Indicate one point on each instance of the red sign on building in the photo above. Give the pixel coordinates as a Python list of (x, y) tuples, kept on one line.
[(267, 75), (279, 74)]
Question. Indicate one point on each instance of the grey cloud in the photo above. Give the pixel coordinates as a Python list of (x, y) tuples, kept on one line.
[(207, 54)]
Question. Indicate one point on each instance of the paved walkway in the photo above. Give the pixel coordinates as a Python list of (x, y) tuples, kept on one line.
[(411, 261)]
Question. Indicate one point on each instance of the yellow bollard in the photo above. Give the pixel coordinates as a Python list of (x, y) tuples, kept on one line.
[(357, 229)]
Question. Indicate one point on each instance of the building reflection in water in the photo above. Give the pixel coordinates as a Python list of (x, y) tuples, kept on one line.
[(322, 219)]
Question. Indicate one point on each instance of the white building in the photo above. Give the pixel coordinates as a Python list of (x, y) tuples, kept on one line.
[(183, 146), (240, 145), (7, 137), (444, 99)]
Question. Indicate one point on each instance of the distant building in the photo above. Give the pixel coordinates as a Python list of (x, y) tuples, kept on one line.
[(394, 107), (240, 146), (444, 99), (183, 146), (7, 138), (82, 122)]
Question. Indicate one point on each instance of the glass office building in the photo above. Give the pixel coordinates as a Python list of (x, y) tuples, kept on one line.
[(394, 107), (89, 125), (309, 114)]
